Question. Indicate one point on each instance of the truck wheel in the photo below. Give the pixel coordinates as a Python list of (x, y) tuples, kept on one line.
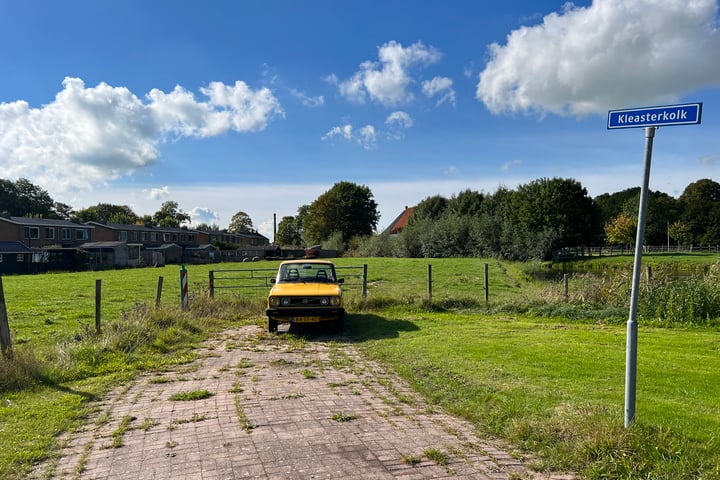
[(272, 325)]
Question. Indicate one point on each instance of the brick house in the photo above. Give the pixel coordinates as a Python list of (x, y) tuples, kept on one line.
[(43, 232)]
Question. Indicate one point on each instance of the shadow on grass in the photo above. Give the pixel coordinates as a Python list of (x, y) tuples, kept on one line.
[(359, 327)]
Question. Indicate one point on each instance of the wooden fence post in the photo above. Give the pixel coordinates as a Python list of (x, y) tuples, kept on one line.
[(159, 291), (211, 284), (429, 282), (565, 284), (364, 282), (98, 302), (487, 284), (5, 341)]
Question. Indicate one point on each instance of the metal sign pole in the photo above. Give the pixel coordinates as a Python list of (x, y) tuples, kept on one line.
[(632, 328)]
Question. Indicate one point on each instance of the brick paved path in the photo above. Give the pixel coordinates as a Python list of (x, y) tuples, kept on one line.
[(280, 408)]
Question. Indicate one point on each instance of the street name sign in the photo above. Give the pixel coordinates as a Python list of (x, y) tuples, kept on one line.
[(650, 118), (686, 114)]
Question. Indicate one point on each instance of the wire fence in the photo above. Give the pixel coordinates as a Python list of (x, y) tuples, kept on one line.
[(257, 281)]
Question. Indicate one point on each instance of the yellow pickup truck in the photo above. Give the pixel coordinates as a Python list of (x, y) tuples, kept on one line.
[(305, 291)]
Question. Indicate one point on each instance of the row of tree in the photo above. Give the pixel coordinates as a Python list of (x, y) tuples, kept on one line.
[(24, 199), (532, 221)]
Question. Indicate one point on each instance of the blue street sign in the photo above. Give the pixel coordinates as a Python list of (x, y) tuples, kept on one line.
[(687, 114)]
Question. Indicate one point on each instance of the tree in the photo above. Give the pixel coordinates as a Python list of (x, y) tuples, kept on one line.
[(680, 232), (621, 230), (63, 210), (698, 202), (287, 232), (23, 199), (170, 215), (346, 208), (558, 208), (430, 208), (240, 223), (467, 202), (204, 227), (107, 213)]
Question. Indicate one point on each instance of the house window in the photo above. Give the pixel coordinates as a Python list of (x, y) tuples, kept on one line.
[(32, 233), (134, 236), (166, 237), (144, 237), (122, 236), (153, 237), (65, 232), (81, 234), (20, 257), (50, 233), (0, 257)]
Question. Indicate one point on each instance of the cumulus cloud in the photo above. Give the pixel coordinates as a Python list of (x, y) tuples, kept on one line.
[(386, 80), (344, 131), (439, 87), (612, 54), (397, 123), (200, 215), (365, 136), (158, 193), (306, 100), (87, 136)]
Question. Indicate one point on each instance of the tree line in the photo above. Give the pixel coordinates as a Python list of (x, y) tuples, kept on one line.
[(530, 222)]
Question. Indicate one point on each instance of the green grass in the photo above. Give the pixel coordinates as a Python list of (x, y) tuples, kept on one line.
[(543, 372), (190, 396), (557, 388)]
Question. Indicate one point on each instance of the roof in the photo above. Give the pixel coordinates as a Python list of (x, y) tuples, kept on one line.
[(144, 228), (43, 222), (91, 245), (307, 260), (399, 224), (13, 247)]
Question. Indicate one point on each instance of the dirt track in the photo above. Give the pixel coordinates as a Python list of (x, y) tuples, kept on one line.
[(280, 408)]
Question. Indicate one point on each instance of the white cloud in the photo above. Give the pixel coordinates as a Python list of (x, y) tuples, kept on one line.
[(710, 159), (365, 136), (344, 131), (442, 87), (200, 215), (386, 81), (158, 193), (87, 136), (451, 170), (509, 165), (400, 119), (612, 54), (306, 100)]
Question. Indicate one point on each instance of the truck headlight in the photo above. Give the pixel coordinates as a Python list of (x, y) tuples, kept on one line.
[(274, 301), (335, 301)]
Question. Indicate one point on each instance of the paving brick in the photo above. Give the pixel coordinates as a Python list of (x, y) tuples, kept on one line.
[(293, 433)]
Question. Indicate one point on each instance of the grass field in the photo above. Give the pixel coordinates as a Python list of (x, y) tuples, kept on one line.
[(551, 385)]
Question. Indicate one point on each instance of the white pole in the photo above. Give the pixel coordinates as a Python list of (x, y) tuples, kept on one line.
[(632, 328)]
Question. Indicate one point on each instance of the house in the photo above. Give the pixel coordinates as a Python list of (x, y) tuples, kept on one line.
[(146, 235), (14, 257), (399, 224), (43, 232)]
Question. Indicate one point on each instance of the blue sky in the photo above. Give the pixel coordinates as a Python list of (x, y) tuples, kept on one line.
[(262, 106)]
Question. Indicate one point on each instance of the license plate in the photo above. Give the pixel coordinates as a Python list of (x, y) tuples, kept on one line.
[(305, 319)]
